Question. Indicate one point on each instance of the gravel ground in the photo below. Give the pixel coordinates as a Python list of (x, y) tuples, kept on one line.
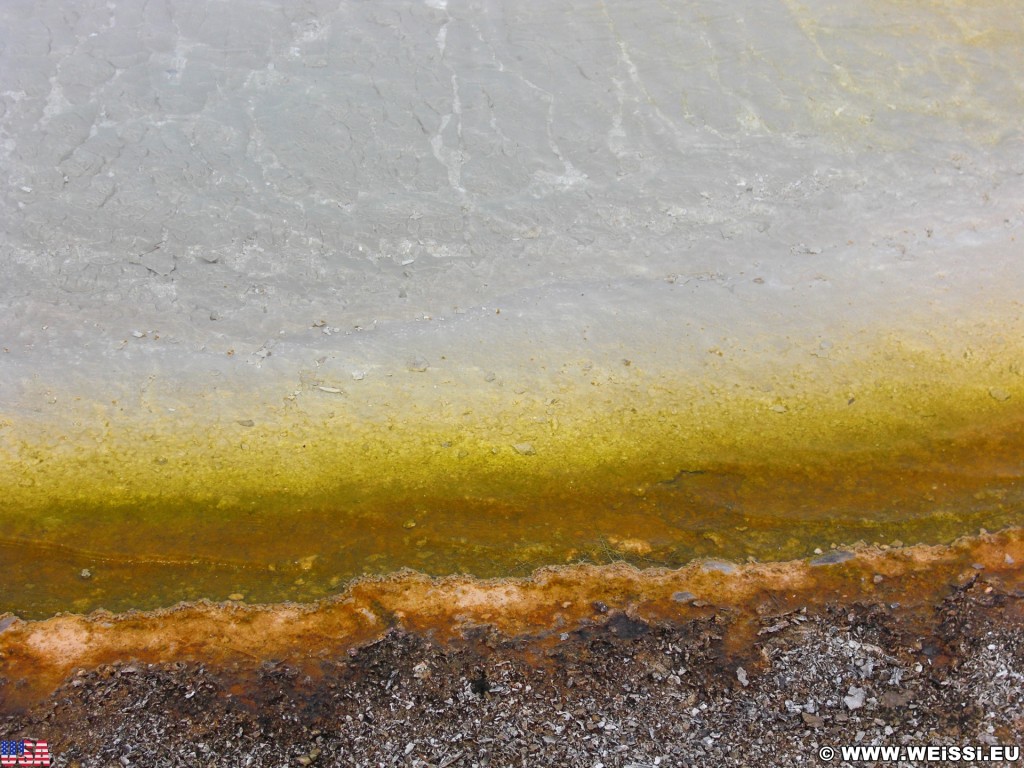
[(619, 692)]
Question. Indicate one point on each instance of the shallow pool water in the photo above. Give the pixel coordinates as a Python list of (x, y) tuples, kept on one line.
[(296, 294)]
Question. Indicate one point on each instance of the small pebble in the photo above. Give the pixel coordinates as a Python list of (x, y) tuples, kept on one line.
[(815, 721), (86, 573), (855, 699), (997, 393), (717, 565), (832, 558)]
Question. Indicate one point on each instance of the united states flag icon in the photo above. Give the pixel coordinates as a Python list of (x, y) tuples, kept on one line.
[(24, 752)]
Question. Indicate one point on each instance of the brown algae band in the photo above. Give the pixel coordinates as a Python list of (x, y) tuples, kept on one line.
[(122, 508), (244, 641)]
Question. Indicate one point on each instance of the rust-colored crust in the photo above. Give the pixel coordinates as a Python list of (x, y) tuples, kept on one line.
[(36, 656)]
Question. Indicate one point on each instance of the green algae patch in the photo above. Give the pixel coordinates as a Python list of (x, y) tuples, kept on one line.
[(132, 510)]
